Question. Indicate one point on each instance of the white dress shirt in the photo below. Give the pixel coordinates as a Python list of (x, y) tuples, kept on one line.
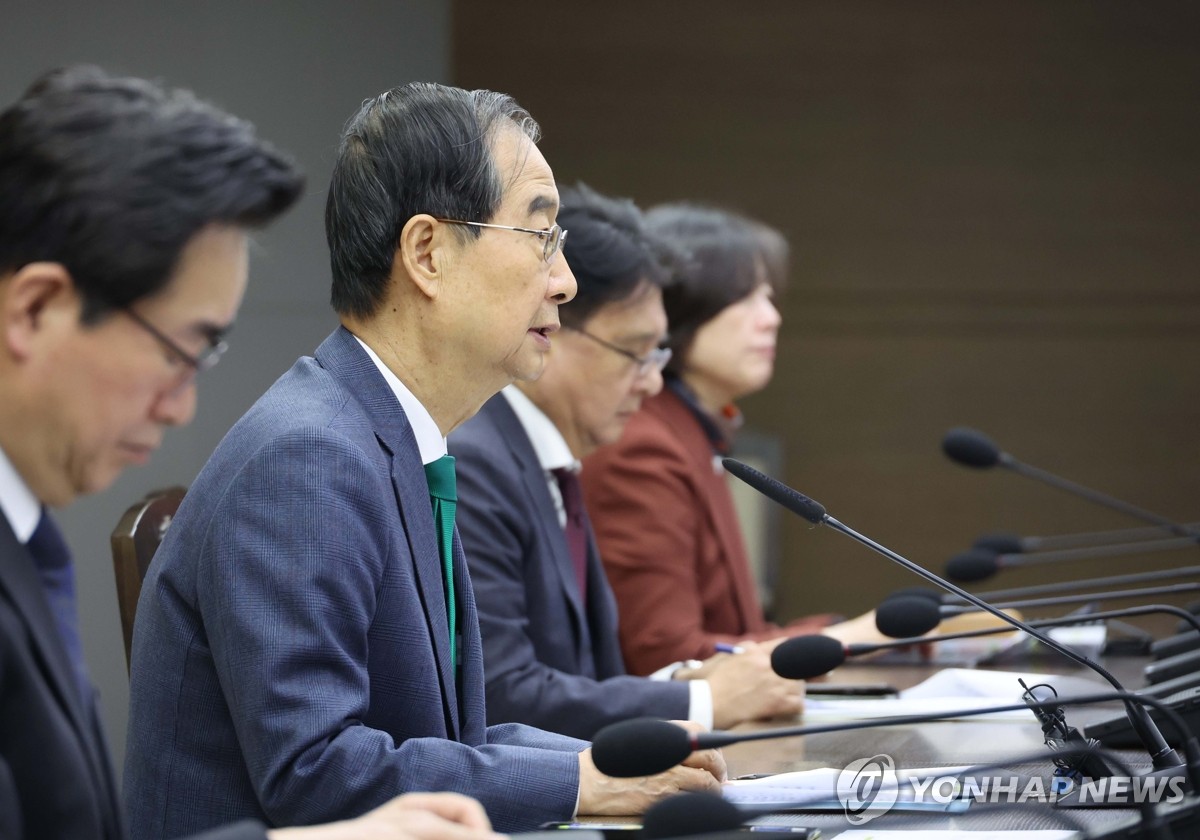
[(430, 440), (18, 504)]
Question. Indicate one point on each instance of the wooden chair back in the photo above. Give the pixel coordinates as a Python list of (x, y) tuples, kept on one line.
[(134, 541)]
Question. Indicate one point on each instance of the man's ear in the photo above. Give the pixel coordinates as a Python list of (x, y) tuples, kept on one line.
[(34, 299), (424, 252)]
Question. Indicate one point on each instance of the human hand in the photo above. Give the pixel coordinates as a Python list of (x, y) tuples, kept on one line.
[(411, 816), (602, 795), (745, 687)]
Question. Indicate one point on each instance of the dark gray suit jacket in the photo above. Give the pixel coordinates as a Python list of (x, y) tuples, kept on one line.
[(56, 778), (291, 655), (550, 660)]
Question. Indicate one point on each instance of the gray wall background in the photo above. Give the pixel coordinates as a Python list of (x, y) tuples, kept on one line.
[(296, 68)]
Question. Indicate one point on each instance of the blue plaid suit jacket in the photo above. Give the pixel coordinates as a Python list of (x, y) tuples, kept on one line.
[(291, 655)]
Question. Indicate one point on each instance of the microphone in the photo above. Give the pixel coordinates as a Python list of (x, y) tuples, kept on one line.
[(1069, 586), (648, 746), (691, 813), (981, 563), (1082, 598), (901, 617), (1004, 542), (806, 657), (973, 448), (1160, 753)]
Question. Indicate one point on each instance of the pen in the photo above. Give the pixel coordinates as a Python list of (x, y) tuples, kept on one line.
[(722, 647)]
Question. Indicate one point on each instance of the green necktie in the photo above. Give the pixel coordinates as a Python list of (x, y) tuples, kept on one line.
[(443, 492)]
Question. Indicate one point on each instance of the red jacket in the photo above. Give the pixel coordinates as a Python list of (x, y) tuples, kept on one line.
[(671, 542)]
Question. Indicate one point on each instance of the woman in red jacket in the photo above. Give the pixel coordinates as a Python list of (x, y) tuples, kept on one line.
[(658, 499)]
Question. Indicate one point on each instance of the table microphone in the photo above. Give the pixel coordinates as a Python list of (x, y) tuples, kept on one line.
[(981, 563), (691, 812), (1071, 585), (1160, 752), (1004, 542), (1081, 598), (648, 746), (806, 657), (904, 616), (972, 448)]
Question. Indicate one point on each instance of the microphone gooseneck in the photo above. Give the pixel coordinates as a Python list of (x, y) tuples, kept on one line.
[(1160, 752), (972, 448)]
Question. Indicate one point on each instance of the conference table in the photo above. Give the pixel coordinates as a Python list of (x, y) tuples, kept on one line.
[(951, 743)]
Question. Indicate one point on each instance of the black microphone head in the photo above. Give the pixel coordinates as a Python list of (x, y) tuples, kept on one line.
[(904, 618), (1000, 542), (639, 747), (971, 566), (926, 592), (690, 813), (777, 491), (971, 448), (805, 657)]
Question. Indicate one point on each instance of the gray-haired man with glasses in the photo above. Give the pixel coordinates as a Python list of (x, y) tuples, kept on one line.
[(551, 651), (307, 643)]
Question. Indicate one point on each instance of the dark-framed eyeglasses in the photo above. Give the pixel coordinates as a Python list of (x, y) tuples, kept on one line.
[(552, 237), (655, 360), (206, 359)]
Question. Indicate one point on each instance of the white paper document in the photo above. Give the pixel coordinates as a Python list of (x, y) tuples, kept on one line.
[(813, 790), (949, 690)]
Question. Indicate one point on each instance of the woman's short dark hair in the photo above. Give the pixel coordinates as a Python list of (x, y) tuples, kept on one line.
[(723, 257), (608, 249), (417, 148), (111, 177)]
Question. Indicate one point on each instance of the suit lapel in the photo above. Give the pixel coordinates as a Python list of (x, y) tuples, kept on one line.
[(19, 580), (343, 357), (534, 480)]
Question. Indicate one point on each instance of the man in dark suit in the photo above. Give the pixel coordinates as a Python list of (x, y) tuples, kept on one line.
[(551, 650), (123, 210), (307, 644)]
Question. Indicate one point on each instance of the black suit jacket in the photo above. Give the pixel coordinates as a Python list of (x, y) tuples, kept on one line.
[(56, 776), (550, 660)]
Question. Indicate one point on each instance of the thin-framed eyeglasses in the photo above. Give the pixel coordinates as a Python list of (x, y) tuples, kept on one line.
[(655, 360), (206, 359), (552, 237)]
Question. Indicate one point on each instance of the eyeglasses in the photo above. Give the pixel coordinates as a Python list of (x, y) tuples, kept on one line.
[(655, 360), (206, 359), (552, 237)]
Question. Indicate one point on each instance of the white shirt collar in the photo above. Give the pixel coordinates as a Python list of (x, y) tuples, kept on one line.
[(20, 507), (430, 441), (548, 442)]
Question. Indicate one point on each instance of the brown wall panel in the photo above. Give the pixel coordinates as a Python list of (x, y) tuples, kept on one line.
[(995, 215)]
